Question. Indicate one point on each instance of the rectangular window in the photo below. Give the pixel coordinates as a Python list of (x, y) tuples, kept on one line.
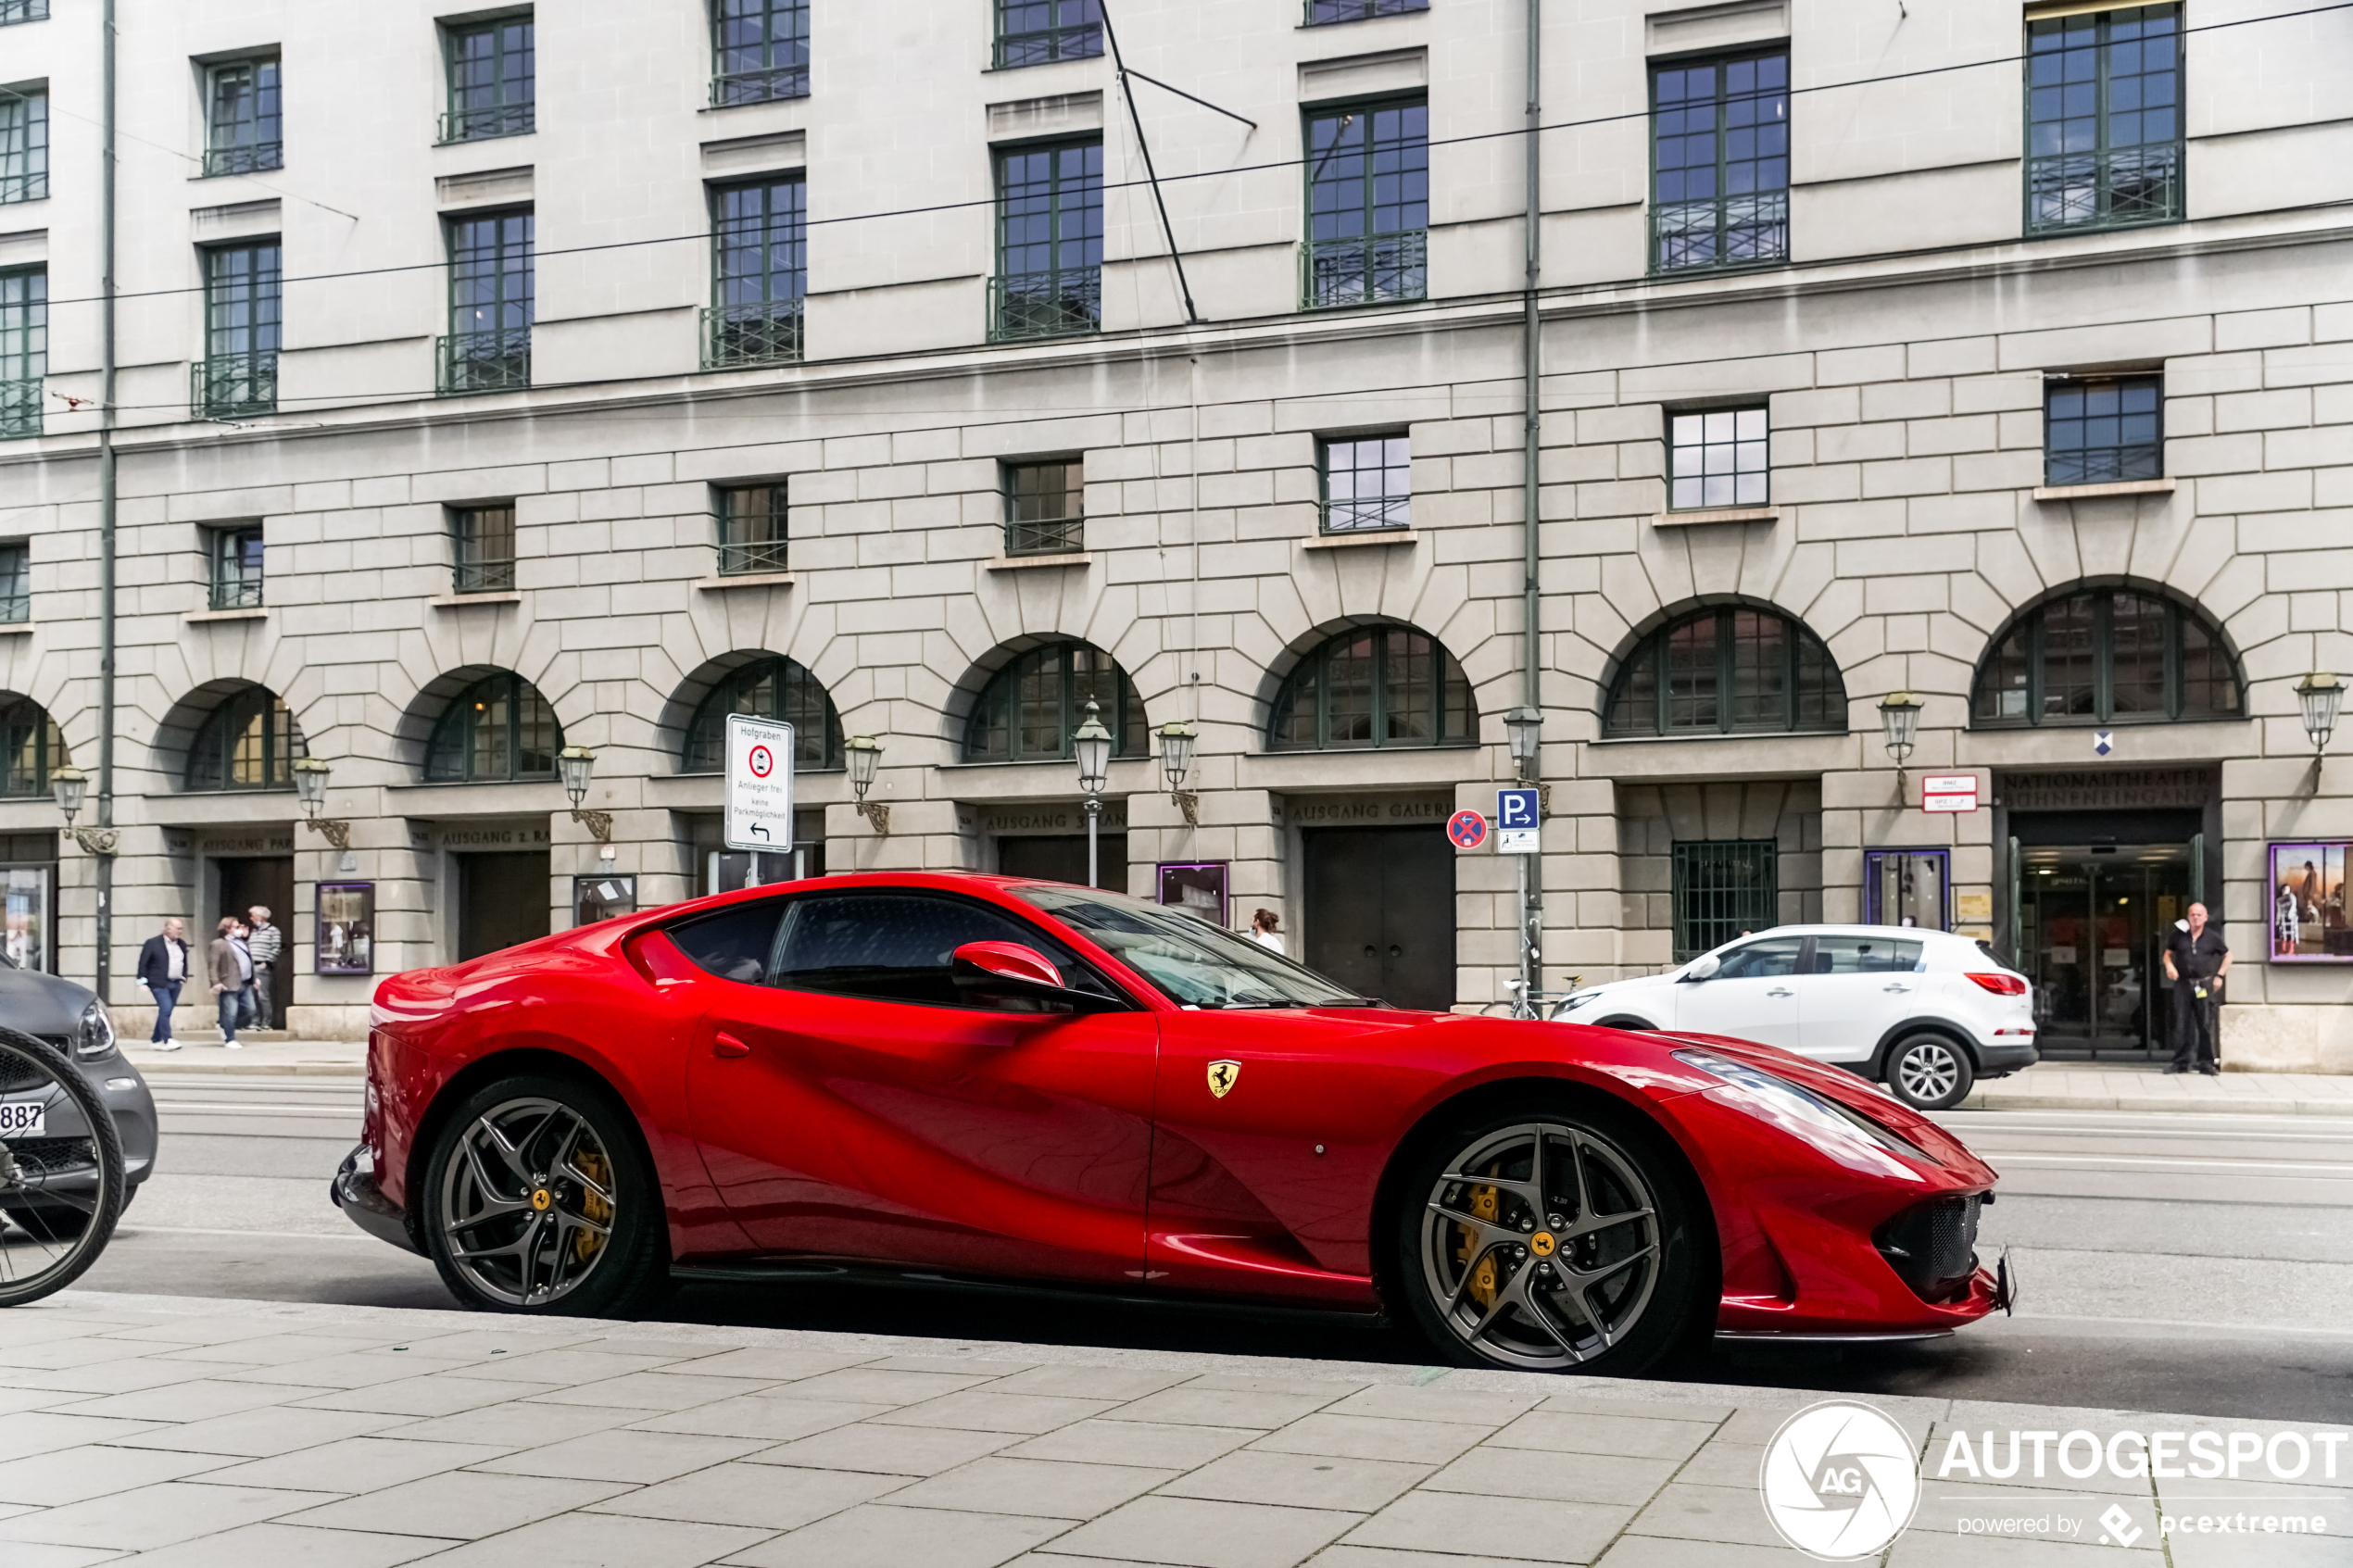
[(16, 582), (1367, 205), (493, 81), (239, 373), (1366, 482), (245, 133), (23, 11), (1033, 33), (1719, 163), (491, 304), (485, 537), (236, 568), (760, 272), (1045, 508), (751, 528), (2104, 431), (24, 350), (1323, 13), (760, 51), (24, 147), (1050, 242), (1717, 459), (2103, 119), (1722, 887)]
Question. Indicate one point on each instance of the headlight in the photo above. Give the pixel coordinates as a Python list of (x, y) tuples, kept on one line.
[(96, 1035), (1851, 1138), (1580, 999)]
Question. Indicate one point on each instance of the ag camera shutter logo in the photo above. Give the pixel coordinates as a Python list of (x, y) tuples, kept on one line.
[(1840, 1481)]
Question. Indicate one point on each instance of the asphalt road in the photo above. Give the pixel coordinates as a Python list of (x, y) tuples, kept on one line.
[(2180, 1263)]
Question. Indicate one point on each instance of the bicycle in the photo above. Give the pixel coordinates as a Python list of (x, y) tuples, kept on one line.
[(61, 1178), (1539, 1004)]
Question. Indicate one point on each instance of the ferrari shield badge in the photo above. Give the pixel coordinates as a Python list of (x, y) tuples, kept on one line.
[(1222, 1075)]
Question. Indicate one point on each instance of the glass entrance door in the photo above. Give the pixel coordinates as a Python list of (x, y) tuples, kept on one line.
[(2092, 920)]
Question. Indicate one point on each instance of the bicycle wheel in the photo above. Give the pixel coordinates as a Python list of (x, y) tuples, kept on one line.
[(61, 1176)]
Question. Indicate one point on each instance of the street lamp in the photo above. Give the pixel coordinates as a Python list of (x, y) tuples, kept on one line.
[(1177, 741), (1899, 722), (1091, 746), (1525, 726), (576, 765), (70, 785), (310, 789), (2319, 694), (864, 756)]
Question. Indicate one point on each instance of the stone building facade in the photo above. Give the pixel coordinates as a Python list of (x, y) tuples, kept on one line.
[(2063, 448)]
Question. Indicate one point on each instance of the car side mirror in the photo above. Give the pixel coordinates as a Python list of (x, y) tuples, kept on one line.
[(1703, 969), (1014, 973)]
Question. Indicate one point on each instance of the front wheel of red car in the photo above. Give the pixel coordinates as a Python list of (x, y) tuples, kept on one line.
[(1556, 1239), (538, 1199)]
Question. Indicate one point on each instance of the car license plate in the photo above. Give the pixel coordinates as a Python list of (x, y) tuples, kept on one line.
[(24, 1120)]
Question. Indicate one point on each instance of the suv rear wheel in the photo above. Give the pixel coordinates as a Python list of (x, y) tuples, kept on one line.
[(1930, 1073)]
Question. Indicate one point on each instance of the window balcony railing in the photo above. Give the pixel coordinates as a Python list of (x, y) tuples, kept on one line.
[(1083, 41), (23, 11), (16, 607), (252, 159), (2096, 190), (1033, 304), (495, 359), (237, 590), (1323, 13), (1724, 231), (737, 557), (489, 123), (1046, 536), (1363, 271), (16, 188), (19, 408), (484, 574), (234, 384), (762, 332), (770, 85)]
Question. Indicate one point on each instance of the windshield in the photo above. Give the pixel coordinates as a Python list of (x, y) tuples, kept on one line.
[(1195, 963)]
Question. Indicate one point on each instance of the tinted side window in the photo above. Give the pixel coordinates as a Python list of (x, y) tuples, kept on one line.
[(734, 943), (898, 947), (1758, 961), (1865, 955)]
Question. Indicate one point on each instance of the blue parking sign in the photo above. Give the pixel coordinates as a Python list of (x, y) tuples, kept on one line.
[(1516, 809)]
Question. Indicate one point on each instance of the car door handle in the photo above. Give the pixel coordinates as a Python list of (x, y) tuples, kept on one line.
[(1780, 991), (1899, 987), (724, 1044)]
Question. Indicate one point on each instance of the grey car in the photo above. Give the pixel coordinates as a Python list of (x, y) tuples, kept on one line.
[(69, 1017)]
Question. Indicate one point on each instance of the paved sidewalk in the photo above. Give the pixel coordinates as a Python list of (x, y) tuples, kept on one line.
[(2087, 1086), (307, 1058), (254, 1434)]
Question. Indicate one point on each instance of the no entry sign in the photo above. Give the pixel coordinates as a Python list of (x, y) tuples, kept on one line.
[(759, 811)]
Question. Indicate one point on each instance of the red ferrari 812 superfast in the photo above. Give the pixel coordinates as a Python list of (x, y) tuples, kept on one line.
[(992, 1078)]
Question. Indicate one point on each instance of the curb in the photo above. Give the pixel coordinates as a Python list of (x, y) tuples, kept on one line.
[(2246, 1105)]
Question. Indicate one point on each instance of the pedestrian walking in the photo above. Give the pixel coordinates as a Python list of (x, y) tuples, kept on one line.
[(2196, 960), (231, 970), (1263, 931), (163, 969), (267, 944)]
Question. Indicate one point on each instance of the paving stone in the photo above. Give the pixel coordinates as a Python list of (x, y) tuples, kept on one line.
[(203, 1330), (73, 1351), (1194, 1405), (1656, 1551), (359, 1370), (870, 1385), (284, 1545), (194, 1401), (1557, 1478), (988, 1365), (1724, 1464), (440, 1394), (566, 1367), (1471, 1407), (1358, 1486), (1200, 1534), (766, 1496), (1654, 1410), (355, 1464), (886, 1450), (773, 1417), (652, 1391), (152, 1516), (27, 1325), (1483, 1526), (515, 1426), (27, 1554), (1088, 1382), (602, 1540), (1345, 1555), (774, 1366), (275, 1350), (13, 1400), (1707, 1514), (1916, 1548), (1044, 1489), (115, 1377), (483, 1344), (986, 1410), (1369, 1436), (1136, 1442), (42, 1433), (879, 1535), (1638, 1436), (68, 1476), (462, 1504), (622, 1455)]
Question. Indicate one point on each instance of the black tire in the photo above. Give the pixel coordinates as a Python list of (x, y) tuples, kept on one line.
[(54, 1240), (1610, 1298), (572, 1157), (1632, 1025), (1929, 1072)]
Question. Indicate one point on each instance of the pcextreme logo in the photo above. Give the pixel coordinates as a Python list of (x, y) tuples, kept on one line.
[(1840, 1481)]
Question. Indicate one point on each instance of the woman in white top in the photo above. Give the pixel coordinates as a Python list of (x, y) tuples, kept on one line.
[(1263, 932)]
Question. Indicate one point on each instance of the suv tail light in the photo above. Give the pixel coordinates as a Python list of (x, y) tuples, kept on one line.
[(2002, 985)]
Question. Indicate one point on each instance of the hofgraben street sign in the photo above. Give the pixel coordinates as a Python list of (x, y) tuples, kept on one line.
[(759, 808)]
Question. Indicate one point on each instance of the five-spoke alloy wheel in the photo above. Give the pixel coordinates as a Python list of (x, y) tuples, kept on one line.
[(1555, 1240), (537, 1200)]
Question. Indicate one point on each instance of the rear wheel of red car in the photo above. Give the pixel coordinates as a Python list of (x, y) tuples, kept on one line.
[(1554, 1239), (1930, 1073), (538, 1199)]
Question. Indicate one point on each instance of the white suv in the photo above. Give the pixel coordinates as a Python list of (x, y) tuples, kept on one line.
[(1926, 1011)]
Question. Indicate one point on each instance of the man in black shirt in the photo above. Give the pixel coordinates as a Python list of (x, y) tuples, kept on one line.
[(2196, 960)]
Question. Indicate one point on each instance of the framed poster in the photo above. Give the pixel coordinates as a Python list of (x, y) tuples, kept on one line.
[(345, 940), (601, 898), (2308, 904), (1198, 887)]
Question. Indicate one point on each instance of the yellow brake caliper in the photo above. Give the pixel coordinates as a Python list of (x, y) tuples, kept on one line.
[(1487, 1207), (591, 1162)]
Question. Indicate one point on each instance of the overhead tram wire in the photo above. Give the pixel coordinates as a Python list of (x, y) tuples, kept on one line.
[(704, 236)]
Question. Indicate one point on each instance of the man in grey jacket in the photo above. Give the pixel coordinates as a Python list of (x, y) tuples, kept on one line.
[(266, 943)]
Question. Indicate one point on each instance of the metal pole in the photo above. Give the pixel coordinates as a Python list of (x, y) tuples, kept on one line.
[(1527, 965), (1119, 65), (1094, 809), (1533, 429), (105, 493)]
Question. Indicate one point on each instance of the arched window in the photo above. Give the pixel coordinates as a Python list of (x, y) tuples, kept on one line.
[(29, 747), (1376, 686), (1729, 671), (767, 688), (2106, 656), (1032, 707), (498, 729), (248, 742)]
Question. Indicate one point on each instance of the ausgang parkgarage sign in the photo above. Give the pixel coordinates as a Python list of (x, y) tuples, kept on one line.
[(758, 785)]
